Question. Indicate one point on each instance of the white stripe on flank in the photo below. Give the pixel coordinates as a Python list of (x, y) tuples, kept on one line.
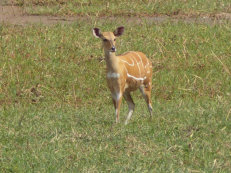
[(137, 66), (136, 77), (128, 62), (113, 75), (140, 58)]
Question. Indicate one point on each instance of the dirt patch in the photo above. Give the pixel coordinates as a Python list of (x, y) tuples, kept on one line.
[(16, 16)]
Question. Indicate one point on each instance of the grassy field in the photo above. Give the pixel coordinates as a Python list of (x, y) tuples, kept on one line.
[(120, 7), (56, 112)]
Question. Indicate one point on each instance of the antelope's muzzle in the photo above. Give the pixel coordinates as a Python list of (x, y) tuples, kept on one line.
[(113, 49)]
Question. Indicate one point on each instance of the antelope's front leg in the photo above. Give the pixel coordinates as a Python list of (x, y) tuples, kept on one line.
[(117, 99), (131, 105)]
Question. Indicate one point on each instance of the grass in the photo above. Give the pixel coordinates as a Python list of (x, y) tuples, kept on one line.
[(120, 8), (56, 112)]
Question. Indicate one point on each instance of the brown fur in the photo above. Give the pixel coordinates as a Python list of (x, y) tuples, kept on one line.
[(125, 73)]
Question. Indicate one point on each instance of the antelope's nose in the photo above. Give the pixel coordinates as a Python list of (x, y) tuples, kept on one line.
[(113, 49)]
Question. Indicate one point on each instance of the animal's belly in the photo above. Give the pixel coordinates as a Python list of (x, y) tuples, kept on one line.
[(132, 85)]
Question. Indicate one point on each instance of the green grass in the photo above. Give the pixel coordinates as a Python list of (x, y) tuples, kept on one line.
[(56, 112), (120, 7)]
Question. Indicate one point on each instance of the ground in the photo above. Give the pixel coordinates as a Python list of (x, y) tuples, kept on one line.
[(12, 14), (56, 113)]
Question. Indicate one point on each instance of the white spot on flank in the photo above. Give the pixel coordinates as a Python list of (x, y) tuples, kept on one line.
[(136, 77), (148, 71), (113, 75), (146, 65)]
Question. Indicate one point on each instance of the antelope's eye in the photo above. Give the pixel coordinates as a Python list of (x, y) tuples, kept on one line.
[(104, 39), (114, 39)]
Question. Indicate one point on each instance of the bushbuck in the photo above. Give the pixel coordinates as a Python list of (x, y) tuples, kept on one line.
[(125, 73)]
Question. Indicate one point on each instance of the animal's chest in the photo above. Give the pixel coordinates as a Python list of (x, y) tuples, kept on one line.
[(113, 80)]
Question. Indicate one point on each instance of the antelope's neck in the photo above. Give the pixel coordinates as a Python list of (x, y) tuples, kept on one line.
[(111, 61)]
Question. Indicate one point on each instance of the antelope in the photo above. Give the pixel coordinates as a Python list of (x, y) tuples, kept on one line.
[(125, 73)]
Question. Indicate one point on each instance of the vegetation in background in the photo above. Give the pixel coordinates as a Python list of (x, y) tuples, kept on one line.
[(56, 112), (121, 7)]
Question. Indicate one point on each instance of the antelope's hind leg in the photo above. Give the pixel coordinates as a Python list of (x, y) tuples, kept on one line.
[(131, 106), (146, 92)]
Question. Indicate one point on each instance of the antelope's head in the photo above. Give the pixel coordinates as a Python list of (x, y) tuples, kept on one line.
[(108, 38)]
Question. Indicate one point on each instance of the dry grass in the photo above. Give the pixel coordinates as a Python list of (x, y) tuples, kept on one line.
[(56, 112), (121, 8)]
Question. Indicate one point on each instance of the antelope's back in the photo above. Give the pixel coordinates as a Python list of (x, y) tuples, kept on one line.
[(136, 65)]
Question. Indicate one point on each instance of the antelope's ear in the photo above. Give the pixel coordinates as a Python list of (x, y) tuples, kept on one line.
[(96, 32), (119, 31)]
